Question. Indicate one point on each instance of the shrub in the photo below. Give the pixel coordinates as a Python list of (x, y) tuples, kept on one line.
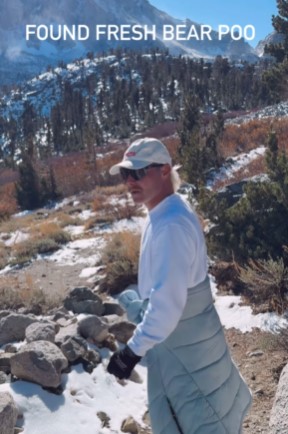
[(120, 258), (110, 212), (46, 238), (53, 231), (8, 204), (267, 283)]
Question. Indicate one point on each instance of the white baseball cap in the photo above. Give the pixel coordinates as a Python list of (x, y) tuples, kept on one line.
[(142, 153)]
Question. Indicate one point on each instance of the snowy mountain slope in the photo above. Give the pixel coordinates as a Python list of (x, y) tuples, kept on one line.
[(19, 56), (272, 111), (272, 38)]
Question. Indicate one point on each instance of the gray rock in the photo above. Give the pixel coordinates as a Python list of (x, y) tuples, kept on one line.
[(13, 326), (74, 348), (278, 423), (113, 309), (93, 356), (92, 327), (71, 330), (5, 362), (4, 313), (83, 300), (10, 348), (4, 378), (40, 362), (8, 413), (38, 331), (122, 331)]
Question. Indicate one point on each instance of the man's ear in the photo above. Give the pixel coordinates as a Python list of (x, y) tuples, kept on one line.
[(166, 170)]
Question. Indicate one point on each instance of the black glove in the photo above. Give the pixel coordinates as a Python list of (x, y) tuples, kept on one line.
[(122, 363)]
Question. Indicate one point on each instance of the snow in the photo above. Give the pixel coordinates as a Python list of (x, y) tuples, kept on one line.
[(234, 164), (75, 411), (14, 238)]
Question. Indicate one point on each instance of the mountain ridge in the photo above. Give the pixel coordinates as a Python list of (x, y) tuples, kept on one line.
[(21, 57)]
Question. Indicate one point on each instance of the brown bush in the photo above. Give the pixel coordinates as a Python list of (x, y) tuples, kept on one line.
[(8, 203), (120, 258), (267, 284), (46, 237)]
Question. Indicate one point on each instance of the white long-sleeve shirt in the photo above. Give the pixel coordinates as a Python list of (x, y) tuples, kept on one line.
[(173, 258)]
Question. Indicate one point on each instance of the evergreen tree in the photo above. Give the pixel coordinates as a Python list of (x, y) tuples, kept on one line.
[(28, 187), (256, 226), (199, 143), (277, 166), (190, 150), (280, 24)]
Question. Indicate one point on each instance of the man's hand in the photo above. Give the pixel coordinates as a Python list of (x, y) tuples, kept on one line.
[(122, 363)]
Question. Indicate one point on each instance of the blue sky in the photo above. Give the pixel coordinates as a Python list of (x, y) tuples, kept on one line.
[(216, 12)]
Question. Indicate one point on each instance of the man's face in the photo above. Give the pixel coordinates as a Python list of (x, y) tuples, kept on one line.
[(152, 188)]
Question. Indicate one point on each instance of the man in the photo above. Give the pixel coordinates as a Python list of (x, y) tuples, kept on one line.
[(193, 384)]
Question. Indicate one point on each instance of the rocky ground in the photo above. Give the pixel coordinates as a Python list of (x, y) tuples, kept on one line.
[(258, 355), (260, 359)]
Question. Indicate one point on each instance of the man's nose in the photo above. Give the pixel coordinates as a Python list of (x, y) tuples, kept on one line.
[(130, 180)]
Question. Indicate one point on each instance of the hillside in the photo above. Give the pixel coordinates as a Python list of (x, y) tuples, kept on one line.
[(96, 99)]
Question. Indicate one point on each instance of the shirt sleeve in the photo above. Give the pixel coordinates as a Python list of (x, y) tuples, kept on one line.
[(173, 254)]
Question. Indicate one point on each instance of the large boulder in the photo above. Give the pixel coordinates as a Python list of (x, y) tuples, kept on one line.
[(41, 331), (13, 326), (278, 418), (40, 362), (8, 413)]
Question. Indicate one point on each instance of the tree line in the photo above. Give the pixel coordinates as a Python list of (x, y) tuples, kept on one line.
[(134, 92)]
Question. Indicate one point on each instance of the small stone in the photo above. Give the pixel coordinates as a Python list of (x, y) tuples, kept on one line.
[(105, 419), (129, 425), (259, 392), (256, 353)]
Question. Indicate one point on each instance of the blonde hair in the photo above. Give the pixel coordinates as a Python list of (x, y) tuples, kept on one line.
[(175, 178)]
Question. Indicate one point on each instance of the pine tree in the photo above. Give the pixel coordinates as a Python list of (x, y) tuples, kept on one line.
[(280, 24), (199, 143), (28, 187), (190, 151), (277, 165)]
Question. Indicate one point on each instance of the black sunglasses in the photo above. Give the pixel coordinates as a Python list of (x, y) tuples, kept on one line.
[(136, 174)]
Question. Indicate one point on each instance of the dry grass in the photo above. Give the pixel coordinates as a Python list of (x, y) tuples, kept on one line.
[(26, 293), (267, 283), (50, 230), (250, 135), (120, 258), (112, 190), (4, 255), (13, 224), (45, 237), (109, 211), (63, 219)]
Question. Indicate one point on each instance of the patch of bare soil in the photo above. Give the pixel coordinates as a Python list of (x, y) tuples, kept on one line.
[(260, 361)]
